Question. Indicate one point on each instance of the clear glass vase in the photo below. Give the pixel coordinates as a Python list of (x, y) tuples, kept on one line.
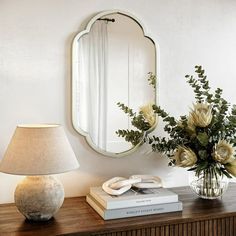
[(209, 184)]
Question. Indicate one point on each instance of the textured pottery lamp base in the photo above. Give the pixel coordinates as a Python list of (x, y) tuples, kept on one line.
[(38, 198)]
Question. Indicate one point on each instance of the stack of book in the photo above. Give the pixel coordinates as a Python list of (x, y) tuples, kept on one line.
[(135, 202)]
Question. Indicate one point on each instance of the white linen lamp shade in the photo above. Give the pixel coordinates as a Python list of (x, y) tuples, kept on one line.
[(38, 151)]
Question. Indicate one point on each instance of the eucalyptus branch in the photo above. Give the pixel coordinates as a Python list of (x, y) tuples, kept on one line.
[(211, 124), (152, 79), (132, 136)]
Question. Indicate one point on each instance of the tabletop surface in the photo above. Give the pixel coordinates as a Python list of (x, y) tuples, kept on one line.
[(76, 216)]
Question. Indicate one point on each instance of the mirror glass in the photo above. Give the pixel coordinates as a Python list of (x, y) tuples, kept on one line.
[(111, 60)]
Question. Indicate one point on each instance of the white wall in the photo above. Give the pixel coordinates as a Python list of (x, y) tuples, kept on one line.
[(35, 42)]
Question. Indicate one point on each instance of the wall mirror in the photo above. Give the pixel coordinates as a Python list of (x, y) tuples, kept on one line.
[(111, 60)]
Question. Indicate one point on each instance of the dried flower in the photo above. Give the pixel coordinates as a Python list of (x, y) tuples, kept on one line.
[(148, 113), (223, 152), (200, 115), (185, 157), (191, 126)]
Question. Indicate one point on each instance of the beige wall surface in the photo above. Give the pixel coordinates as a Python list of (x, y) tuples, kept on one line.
[(35, 69)]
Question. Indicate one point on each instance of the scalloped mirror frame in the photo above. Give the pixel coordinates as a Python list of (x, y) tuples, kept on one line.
[(74, 53)]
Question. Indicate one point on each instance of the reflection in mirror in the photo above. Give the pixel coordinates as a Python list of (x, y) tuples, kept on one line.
[(111, 61)]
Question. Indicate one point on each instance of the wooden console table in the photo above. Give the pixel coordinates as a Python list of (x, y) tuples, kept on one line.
[(199, 218)]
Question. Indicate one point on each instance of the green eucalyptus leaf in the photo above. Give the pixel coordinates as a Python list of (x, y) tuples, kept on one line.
[(193, 168), (203, 154), (203, 138), (202, 166)]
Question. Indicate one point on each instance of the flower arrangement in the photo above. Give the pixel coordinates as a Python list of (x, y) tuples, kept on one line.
[(202, 140), (143, 121)]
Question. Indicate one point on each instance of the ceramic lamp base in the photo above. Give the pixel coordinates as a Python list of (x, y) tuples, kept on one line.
[(38, 198)]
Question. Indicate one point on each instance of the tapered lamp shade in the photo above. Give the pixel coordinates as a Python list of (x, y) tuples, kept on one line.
[(38, 150)]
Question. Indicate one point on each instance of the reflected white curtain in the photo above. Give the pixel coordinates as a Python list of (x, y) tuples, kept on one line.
[(93, 52)]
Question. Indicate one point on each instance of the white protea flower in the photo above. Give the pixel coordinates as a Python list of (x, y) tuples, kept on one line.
[(184, 157), (200, 115), (223, 152), (191, 125), (148, 113), (231, 167)]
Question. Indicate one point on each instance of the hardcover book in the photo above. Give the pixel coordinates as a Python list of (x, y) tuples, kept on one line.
[(133, 197), (109, 214)]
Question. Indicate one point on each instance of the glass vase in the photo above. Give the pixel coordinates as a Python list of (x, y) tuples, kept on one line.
[(209, 184)]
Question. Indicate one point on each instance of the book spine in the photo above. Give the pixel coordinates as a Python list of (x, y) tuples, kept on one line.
[(99, 210), (145, 210), (135, 202), (135, 211)]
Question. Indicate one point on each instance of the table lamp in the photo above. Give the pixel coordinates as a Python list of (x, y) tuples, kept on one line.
[(38, 151)]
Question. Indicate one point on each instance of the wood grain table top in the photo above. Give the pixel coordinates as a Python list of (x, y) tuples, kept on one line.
[(76, 217)]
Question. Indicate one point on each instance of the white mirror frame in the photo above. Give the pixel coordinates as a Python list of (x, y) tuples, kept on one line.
[(74, 91)]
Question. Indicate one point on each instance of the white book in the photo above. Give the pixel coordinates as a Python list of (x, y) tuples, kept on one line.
[(109, 214), (132, 198)]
